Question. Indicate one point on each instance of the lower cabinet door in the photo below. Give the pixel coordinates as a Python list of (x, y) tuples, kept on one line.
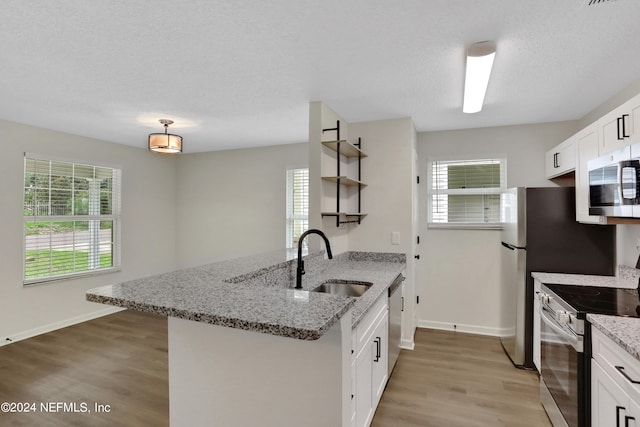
[(380, 367), (364, 394), (609, 402)]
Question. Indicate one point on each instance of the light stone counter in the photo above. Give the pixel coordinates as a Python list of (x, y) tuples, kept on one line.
[(627, 278), (254, 293), (623, 330)]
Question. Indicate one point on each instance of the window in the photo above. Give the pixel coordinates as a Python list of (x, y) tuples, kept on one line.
[(71, 219), (297, 205), (466, 193)]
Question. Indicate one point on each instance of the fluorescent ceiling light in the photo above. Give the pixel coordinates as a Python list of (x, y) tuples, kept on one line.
[(480, 58)]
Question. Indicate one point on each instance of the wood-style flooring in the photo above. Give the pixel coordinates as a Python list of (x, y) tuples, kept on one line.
[(118, 360), (450, 379), (454, 379)]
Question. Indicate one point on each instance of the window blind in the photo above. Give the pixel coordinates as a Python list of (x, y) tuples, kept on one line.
[(297, 205), (71, 219), (466, 192)]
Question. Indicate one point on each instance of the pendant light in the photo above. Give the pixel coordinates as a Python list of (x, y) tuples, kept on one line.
[(165, 142)]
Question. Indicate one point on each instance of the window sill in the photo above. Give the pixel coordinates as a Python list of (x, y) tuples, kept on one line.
[(464, 226), (44, 280)]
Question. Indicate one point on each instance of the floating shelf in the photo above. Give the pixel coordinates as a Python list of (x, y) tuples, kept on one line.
[(347, 149), (343, 180), (339, 215)]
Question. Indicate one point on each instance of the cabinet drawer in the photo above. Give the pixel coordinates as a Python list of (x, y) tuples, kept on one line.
[(364, 330), (617, 362)]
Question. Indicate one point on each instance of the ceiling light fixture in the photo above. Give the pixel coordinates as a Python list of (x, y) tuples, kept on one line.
[(165, 142), (480, 58)]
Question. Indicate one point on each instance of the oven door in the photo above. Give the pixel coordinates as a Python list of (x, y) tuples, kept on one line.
[(562, 368)]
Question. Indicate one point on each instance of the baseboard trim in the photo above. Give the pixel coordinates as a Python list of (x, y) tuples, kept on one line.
[(469, 329), (407, 344), (58, 325)]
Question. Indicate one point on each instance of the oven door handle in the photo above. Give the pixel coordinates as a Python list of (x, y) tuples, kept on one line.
[(573, 339)]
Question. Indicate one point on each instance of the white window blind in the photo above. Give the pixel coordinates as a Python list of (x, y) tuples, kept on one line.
[(71, 219), (297, 205), (466, 192)]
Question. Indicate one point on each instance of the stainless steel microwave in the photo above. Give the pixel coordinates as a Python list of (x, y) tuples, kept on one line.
[(614, 183)]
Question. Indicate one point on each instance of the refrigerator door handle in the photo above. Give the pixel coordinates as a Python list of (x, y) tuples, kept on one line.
[(508, 246), (512, 247)]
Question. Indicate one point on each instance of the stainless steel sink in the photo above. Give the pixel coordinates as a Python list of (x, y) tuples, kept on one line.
[(348, 288)]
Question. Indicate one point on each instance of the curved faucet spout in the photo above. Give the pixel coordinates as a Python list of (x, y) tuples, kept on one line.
[(300, 270)]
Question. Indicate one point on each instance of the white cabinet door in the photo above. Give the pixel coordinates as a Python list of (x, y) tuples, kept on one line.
[(587, 149), (609, 402), (561, 159), (380, 366), (364, 386), (621, 127)]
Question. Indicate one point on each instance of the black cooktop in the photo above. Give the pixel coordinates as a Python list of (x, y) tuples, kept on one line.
[(599, 300)]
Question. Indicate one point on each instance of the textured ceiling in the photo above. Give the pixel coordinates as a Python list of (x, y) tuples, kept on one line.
[(241, 73)]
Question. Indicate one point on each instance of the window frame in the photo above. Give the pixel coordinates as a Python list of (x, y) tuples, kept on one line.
[(290, 216), (114, 217), (497, 225)]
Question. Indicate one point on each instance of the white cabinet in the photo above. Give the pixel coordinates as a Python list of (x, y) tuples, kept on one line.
[(586, 142), (379, 374), (615, 392), (561, 159), (621, 127), (610, 402), (369, 362)]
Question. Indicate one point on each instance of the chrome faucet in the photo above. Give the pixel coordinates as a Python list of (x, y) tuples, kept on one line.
[(300, 270)]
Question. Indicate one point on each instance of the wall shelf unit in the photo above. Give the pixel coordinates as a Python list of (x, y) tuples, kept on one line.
[(347, 150)]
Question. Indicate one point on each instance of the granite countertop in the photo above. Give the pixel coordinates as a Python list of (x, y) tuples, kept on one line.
[(627, 278), (623, 330), (254, 293)]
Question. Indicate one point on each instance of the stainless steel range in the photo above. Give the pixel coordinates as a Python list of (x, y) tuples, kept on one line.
[(565, 345)]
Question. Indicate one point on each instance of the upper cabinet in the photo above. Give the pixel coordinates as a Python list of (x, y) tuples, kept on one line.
[(561, 159), (621, 127), (586, 143)]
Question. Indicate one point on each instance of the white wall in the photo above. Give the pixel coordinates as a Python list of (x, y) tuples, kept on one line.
[(233, 203), (148, 227), (459, 273), (388, 199)]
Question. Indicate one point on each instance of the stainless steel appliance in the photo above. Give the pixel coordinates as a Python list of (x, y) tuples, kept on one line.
[(565, 346), (540, 233), (562, 360), (396, 307), (614, 183)]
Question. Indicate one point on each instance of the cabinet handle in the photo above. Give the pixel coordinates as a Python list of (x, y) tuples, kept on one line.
[(618, 408), (624, 374), (402, 307), (627, 419), (624, 127), (618, 121), (556, 164), (378, 341), (417, 256)]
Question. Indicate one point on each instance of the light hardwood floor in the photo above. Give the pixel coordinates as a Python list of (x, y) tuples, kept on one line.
[(450, 379), (455, 379)]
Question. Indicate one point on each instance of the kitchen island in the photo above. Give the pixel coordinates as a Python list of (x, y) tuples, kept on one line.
[(246, 349)]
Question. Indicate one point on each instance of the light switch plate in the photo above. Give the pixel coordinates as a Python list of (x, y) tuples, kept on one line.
[(395, 238)]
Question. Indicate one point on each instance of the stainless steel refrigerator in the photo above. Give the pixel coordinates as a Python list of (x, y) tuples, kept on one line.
[(540, 233)]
